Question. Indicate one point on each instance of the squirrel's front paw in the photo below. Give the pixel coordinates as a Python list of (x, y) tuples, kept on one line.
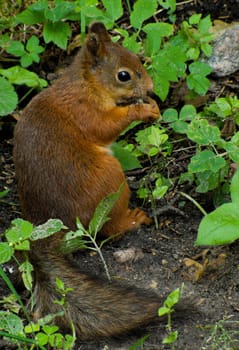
[(149, 110), (153, 109)]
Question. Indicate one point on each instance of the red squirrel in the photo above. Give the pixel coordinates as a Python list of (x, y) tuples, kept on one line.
[(65, 168)]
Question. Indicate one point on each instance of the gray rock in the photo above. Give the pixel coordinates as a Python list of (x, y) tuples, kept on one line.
[(225, 57)]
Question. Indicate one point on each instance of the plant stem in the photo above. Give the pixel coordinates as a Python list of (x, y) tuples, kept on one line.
[(194, 202), (98, 250)]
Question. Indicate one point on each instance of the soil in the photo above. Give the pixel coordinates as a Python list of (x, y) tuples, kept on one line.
[(164, 255)]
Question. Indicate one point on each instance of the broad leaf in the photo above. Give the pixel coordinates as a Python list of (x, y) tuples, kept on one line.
[(219, 227)]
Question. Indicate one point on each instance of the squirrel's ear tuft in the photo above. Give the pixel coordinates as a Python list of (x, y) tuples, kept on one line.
[(96, 38)]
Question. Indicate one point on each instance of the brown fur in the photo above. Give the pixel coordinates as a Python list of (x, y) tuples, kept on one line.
[(64, 169)]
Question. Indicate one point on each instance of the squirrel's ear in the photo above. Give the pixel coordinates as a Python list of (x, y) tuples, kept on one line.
[(96, 39)]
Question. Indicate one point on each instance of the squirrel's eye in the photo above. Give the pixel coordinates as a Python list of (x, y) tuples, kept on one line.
[(123, 76)]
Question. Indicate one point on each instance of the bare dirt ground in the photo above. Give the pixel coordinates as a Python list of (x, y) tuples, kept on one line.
[(161, 260)]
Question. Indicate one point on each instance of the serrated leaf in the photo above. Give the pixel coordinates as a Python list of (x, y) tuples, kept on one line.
[(195, 19), (11, 323), (102, 211), (57, 32), (180, 126), (33, 14), (220, 226), (233, 151), (206, 181), (201, 132), (170, 115), (62, 10), (8, 97), (206, 160), (155, 31), (132, 44), (26, 61), (20, 76), (15, 48), (205, 25), (142, 10), (188, 112), (19, 231), (6, 252)]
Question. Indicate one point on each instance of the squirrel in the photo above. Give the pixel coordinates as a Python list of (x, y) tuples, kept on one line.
[(65, 168)]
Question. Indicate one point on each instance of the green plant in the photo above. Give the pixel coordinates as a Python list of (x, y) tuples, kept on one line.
[(84, 238), (167, 309), (224, 335), (221, 226), (18, 238)]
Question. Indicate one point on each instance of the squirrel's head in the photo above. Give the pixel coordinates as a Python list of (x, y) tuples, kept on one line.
[(113, 68)]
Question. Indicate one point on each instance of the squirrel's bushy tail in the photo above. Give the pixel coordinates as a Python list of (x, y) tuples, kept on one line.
[(97, 308)]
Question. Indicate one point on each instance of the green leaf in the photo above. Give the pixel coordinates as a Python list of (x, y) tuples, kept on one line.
[(132, 44), (26, 269), (57, 32), (142, 10), (20, 76), (56, 340), (201, 132), (62, 10), (171, 338), (163, 311), (16, 48), (33, 14), (11, 323), (205, 25), (6, 252), (26, 60), (235, 188), (127, 160), (47, 229), (195, 19), (170, 115), (139, 344), (206, 160), (50, 329), (155, 31), (32, 327), (233, 151), (102, 211), (8, 97), (159, 192), (207, 181), (197, 80), (19, 231), (220, 226), (25, 245), (173, 298), (114, 9), (4, 193), (41, 338), (188, 112)]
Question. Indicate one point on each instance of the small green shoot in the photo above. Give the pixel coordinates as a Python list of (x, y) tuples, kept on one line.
[(166, 310)]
